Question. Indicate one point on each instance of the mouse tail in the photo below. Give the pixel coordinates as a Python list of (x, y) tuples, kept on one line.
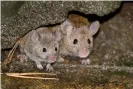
[(11, 53)]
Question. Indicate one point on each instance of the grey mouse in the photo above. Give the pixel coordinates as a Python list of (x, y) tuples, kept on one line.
[(40, 45), (77, 42)]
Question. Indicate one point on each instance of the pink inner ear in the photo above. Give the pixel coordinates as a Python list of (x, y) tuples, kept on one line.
[(66, 27), (94, 27), (58, 36), (35, 36)]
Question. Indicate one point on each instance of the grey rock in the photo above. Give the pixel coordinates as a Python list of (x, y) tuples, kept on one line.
[(70, 75), (17, 18), (116, 35)]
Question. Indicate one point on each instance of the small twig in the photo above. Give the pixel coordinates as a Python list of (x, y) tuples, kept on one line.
[(11, 53), (30, 73), (35, 77), (23, 75)]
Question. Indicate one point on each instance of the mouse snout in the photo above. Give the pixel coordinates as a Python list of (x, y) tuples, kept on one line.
[(52, 58), (83, 52)]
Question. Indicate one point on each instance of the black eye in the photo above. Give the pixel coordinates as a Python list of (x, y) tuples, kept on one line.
[(55, 48), (44, 49), (89, 41), (75, 41)]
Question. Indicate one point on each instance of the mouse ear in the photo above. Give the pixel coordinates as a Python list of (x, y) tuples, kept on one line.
[(35, 36), (58, 35), (66, 27), (94, 27)]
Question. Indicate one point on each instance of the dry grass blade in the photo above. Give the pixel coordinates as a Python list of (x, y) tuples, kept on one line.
[(34, 77), (10, 55), (31, 74), (23, 75)]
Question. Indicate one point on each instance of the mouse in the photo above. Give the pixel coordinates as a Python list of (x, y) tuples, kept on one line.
[(40, 45), (77, 39)]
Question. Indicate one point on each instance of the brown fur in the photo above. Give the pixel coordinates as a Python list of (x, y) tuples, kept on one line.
[(78, 20), (77, 27)]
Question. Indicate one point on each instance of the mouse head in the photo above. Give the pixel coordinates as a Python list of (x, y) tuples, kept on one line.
[(79, 41), (46, 44)]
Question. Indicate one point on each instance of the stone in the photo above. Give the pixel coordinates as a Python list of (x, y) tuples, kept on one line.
[(18, 18), (116, 35)]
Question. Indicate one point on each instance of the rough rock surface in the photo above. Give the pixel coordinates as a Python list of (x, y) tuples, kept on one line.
[(20, 17), (70, 76), (114, 43)]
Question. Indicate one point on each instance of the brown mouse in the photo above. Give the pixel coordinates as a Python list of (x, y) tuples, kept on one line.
[(77, 40)]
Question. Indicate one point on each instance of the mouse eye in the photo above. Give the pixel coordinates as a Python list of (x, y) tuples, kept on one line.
[(89, 41), (75, 41), (55, 48), (44, 49)]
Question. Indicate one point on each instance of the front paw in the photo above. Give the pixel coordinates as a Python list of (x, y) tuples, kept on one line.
[(86, 61), (60, 59), (39, 66), (22, 57), (49, 67)]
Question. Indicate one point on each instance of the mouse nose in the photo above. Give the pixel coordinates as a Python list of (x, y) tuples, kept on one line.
[(83, 53), (52, 58)]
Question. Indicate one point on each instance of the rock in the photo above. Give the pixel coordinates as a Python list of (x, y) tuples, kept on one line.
[(70, 76), (114, 43), (20, 17)]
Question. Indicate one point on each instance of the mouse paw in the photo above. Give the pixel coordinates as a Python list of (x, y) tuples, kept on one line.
[(60, 59), (86, 61), (22, 57), (39, 66), (49, 67)]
